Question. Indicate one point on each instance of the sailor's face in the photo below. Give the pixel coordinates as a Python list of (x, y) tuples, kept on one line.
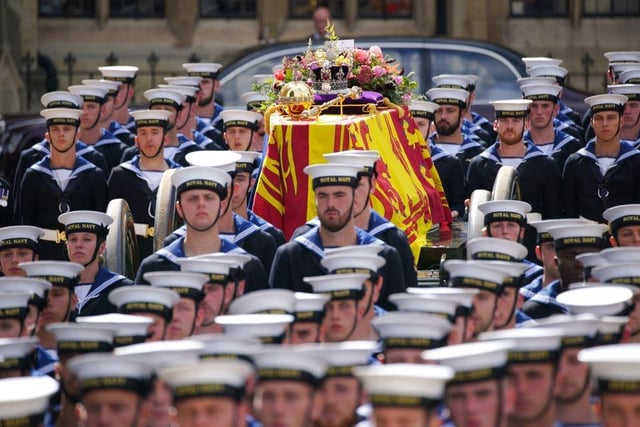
[(213, 303), (183, 320), (340, 320), (507, 230), (541, 114), (242, 181), (61, 137), (628, 236), (389, 416), (205, 95), (403, 355), (149, 139), (476, 404), (484, 305), (59, 302), (90, 112), (620, 409), (199, 208), (304, 332), (573, 376), (238, 138), (283, 403), (363, 190), (334, 205), (10, 258), (10, 328), (510, 129), (111, 408), (534, 385), (341, 398), (606, 125), (424, 125), (207, 411), (631, 116), (505, 306), (107, 111), (447, 119), (81, 247)]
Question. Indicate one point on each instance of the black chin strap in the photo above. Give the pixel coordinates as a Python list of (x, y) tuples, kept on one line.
[(186, 120), (511, 313), (75, 134), (164, 134)]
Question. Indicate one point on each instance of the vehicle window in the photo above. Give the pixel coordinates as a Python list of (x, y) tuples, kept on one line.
[(497, 79)]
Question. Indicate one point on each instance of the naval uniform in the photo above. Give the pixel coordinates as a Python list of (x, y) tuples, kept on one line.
[(96, 301), (466, 151), (452, 178), (267, 227), (42, 199), (476, 132), (127, 181), (111, 148), (247, 236), (484, 123), (165, 260), (562, 146), (122, 133), (301, 258), (588, 192), (538, 177), (544, 303), (176, 154)]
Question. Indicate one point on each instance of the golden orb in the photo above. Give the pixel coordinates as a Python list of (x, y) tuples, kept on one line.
[(295, 97)]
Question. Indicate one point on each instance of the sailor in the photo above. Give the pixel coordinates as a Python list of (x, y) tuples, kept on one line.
[(86, 233), (448, 119), (18, 243), (239, 126), (308, 312), (37, 290), (558, 74), (128, 329), (606, 172), (17, 356), (186, 316), (13, 311), (24, 401), (448, 167), (108, 381), (208, 110), (137, 180), (113, 96), (543, 110), (334, 186), (569, 241), (274, 301), (479, 393), (538, 176), (631, 117), (268, 328), (254, 101), (59, 183), (97, 107), (404, 393), (126, 76), (624, 225), (150, 302)]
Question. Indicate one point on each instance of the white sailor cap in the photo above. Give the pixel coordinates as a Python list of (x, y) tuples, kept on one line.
[(248, 161), (253, 99), (492, 249), (618, 274), (619, 254), (523, 81), (61, 99), (463, 297), (333, 174), (208, 378), (411, 330), (15, 353), (90, 93), (365, 250), (341, 357), (571, 236), (421, 108), (24, 398), (58, 273), (546, 92), (578, 330), (515, 270), (309, 307), (119, 73), (505, 210), (111, 86), (366, 159), (222, 160), (189, 92), (611, 329), (445, 96), (36, 288), (202, 69), (62, 116), (164, 96), (85, 222), (228, 346), (531, 345), (144, 299), (20, 236), (404, 384), (631, 91), (452, 81), (471, 362), (238, 260), (537, 61), (186, 284), (217, 271), (511, 108), (475, 274), (353, 263), (542, 227), (425, 303), (270, 328), (606, 102), (81, 337), (163, 354), (240, 118), (598, 299), (616, 367), (281, 363), (128, 329), (623, 56), (270, 301), (102, 371), (620, 67), (14, 305), (159, 118), (184, 81), (591, 260), (631, 76), (338, 286), (555, 71), (201, 178), (473, 80)]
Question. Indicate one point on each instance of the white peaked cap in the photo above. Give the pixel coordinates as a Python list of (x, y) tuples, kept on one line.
[(222, 160), (61, 98), (25, 396), (490, 248), (536, 61), (163, 354), (605, 300), (184, 81), (620, 254), (276, 301)]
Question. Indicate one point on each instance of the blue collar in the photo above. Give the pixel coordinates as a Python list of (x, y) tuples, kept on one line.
[(175, 249), (492, 153), (626, 150), (312, 241)]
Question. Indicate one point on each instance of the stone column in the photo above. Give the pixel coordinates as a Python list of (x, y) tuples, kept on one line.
[(182, 17)]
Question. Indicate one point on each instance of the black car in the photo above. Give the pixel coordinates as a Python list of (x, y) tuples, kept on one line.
[(498, 67)]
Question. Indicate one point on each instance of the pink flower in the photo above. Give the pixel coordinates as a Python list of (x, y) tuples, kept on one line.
[(379, 71), (376, 52), (365, 75), (397, 79), (279, 74), (361, 56)]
